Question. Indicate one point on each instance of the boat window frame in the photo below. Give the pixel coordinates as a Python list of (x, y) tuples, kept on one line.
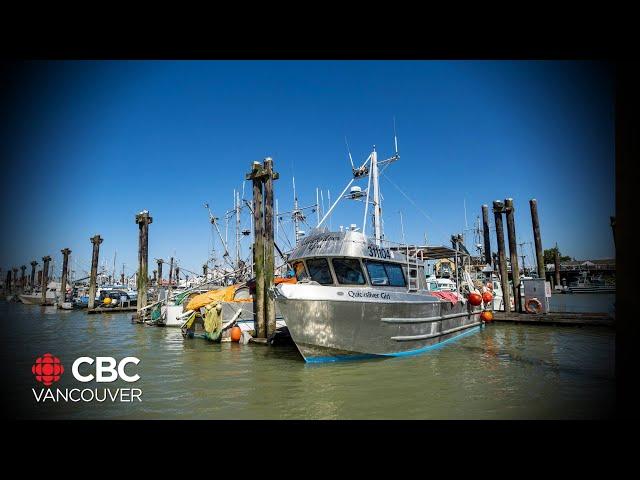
[(362, 271), (329, 265), (304, 265), (366, 267), (384, 265)]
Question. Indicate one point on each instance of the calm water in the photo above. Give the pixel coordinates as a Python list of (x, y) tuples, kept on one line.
[(500, 372)]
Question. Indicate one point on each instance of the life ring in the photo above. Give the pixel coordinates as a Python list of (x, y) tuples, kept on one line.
[(533, 306)]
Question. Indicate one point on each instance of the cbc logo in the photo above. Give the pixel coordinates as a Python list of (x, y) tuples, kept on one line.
[(48, 369), (107, 369)]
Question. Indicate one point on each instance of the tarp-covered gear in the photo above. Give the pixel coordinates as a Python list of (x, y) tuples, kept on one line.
[(450, 296), (221, 295)]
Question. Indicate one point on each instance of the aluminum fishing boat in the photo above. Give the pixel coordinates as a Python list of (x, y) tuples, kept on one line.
[(354, 298), (359, 296)]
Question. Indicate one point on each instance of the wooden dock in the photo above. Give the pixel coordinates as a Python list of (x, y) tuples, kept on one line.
[(112, 309), (557, 318)]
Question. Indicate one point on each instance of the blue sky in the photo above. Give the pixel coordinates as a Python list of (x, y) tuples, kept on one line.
[(89, 144)]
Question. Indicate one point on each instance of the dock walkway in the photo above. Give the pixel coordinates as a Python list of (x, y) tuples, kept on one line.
[(557, 318)]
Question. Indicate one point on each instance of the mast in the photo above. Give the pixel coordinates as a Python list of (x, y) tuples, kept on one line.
[(236, 201), (377, 214), (295, 212)]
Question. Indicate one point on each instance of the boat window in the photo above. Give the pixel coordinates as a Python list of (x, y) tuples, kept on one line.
[(377, 273), (319, 271), (395, 274), (348, 271), (301, 272)]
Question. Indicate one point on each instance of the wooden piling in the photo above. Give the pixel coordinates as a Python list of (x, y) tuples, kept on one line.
[(177, 276), (15, 278), (498, 208), (159, 280), (7, 282), (33, 274), (171, 274), (556, 265), (205, 271), (269, 256), (143, 219), (486, 234), (513, 252), (65, 269), (45, 277), (613, 229), (96, 240), (533, 204), (256, 175), (23, 278)]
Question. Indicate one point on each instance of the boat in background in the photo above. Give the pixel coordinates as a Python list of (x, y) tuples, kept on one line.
[(35, 297)]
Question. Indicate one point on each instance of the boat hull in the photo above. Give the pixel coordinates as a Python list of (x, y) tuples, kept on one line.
[(347, 327), (36, 300)]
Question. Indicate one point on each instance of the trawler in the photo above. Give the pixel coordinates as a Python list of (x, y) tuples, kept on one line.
[(358, 296)]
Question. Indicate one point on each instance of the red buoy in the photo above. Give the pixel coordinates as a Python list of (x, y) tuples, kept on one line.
[(236, 333), (487, 297), (487, 316), (475, 299)]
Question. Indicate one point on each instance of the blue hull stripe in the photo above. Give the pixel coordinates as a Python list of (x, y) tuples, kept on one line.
[(366, 356)]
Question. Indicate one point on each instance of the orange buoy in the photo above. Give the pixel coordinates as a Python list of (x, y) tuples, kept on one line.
[(236, 333), (106, 301), (490, 285), (475, 299), (487, 297), (487, 315)]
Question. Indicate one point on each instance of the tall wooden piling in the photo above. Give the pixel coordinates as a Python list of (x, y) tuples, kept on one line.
[(155, 278), (170, 274), (143, 219), (498, 208), (15, 278), (159, 280), (533, 205), (269, 256), (513, 252), (556, 265), (96, 240), (65, 270), (613, 229), (177, 269), (205, 271), (32, 280), (7, 282), (23, 278), (486, 234), (256, 175), (45, 277)]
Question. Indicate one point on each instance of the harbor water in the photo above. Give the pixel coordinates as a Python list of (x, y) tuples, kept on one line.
[(501, 371)]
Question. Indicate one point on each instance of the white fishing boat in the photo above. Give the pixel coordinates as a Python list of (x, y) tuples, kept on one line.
[(360, 296), (35, 297)]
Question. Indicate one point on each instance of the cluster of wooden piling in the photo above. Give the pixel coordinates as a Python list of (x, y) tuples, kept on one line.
[(507, 207)]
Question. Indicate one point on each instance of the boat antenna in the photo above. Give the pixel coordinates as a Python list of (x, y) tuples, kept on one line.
[(395, 135), (349, 152)]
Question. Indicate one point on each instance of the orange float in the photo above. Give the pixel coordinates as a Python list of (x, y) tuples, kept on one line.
[(487, 297), (236, 333), (487, 316), (475, 299)]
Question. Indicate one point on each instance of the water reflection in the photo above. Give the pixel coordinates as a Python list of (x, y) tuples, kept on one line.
[(502, 371)]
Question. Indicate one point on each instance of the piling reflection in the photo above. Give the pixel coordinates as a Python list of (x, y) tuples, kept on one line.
[(502, 371)]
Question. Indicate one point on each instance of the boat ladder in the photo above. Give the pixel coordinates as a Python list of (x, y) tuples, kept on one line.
[(412, 268)]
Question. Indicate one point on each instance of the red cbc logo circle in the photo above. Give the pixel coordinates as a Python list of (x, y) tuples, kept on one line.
[(47, 369)]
